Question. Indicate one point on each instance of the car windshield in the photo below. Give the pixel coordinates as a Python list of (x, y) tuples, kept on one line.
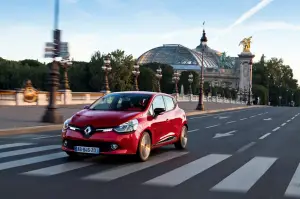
[(122, 102)]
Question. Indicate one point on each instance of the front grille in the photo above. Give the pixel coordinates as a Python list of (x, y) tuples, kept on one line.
[(104, 146)]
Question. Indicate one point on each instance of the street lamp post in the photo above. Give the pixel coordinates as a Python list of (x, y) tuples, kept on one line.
[(66, 64), (249, 91), (176, 79), (136, 74), (203, 47), (158, 76), (51, 115), (106, 68), (191, 79)]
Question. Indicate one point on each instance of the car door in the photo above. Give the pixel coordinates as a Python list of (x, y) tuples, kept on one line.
[(170, 106), (159, 123)]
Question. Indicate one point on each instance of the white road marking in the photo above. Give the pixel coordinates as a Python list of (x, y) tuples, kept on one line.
[(243, 119), (246, 176), (244, 148), (218, 135), (193, 130), (293, 118), (5, 146), (57, 169), (27, 151), (44, 137), (132, 168), (288, 121), (253, 116), (230, 122), (212, 126), (28, 161), (185, 172), (268, 119), (260, 114), (283, 124), (264, 136), (293, 188), (276, 129)]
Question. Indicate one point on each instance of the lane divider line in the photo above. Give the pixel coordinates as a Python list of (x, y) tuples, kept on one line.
[(264, 136), (245, 147), (193, 130), (208, 127), (283, 124), (277, 128), (243, 119), (230, 122), (288, 121)]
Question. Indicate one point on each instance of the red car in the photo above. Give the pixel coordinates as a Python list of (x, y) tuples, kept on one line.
[(126, 123)]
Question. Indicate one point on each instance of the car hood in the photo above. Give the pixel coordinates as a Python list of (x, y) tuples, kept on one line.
[(99, 119)]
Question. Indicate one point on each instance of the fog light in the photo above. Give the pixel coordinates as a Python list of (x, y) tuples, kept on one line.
[(65, 143), (114, 146)]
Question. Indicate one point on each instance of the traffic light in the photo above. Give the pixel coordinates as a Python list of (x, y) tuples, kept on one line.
[(56, 43)]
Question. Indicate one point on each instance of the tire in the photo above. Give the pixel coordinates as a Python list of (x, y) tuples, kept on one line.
[(144, 147), (182, 142)]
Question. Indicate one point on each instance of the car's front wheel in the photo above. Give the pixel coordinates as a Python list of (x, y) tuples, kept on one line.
[(144, 147), (182, 141)]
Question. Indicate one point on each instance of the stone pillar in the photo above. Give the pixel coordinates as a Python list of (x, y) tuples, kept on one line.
[(245, 60)]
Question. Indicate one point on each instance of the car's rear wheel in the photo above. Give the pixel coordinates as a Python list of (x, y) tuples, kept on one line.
[(144, 147), (182, 141)]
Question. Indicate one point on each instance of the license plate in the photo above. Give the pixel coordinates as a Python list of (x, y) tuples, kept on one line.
[(82, 149)]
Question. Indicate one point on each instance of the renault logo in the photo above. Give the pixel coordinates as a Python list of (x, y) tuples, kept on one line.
[(87, 130)]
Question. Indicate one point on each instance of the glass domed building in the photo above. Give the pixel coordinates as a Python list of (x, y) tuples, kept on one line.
[(219, 69)]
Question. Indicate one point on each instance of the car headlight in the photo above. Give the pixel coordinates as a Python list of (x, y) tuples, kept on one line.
[(66, 125), (127, 126)]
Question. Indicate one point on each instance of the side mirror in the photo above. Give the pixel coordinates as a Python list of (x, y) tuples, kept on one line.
[(86, 107), (159, 111)]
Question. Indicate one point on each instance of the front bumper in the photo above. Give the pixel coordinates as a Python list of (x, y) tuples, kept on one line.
[(105, 141)]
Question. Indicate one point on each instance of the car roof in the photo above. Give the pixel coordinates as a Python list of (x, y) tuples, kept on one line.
[(143, 92)]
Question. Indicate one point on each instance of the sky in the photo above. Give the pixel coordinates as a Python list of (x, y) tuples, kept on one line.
[(136, 26)]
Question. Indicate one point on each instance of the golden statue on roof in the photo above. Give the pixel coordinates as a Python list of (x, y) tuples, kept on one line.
[(246, 44)]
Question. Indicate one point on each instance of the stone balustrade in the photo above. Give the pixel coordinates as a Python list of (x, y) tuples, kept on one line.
[(66, 97)]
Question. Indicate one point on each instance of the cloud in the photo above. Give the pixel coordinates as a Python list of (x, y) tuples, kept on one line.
[(248, 14)]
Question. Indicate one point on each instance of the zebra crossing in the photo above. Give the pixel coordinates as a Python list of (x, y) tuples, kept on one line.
[(241, 180)]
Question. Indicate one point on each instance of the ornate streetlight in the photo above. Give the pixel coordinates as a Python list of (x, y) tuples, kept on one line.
[(107, 69), (136, 73), (51, 115), (158, 76), (191, 79), (176, 77), (66, 64), (203, 47)]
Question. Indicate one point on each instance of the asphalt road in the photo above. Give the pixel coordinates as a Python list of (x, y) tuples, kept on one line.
[(252, 154)]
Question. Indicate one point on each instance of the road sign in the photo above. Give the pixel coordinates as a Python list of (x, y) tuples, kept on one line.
[(64, 49)]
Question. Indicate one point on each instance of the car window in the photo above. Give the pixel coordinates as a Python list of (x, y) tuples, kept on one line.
[(122, 102), (158, 102), (169, 103)]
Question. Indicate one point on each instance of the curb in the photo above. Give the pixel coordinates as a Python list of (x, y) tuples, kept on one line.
[(55, 127)]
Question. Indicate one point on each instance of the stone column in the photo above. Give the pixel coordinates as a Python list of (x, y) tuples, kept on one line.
[(245, 60)]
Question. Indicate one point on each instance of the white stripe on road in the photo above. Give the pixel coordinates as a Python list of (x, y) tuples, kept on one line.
[(132, 168), (181, 174), (212, 126), (230, 122), (252, 116), (5, 146), (243, 118), (293, 188), (45, 137), (193, 130), (28, 161), (293, 118), (57, 169), (247, 146), (260, 114), (288, 121), (246, 176), (277, 128), (283, 124), (30, 150), (264, 136)]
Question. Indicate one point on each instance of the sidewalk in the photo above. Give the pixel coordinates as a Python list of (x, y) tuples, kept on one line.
[(21, 117)]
